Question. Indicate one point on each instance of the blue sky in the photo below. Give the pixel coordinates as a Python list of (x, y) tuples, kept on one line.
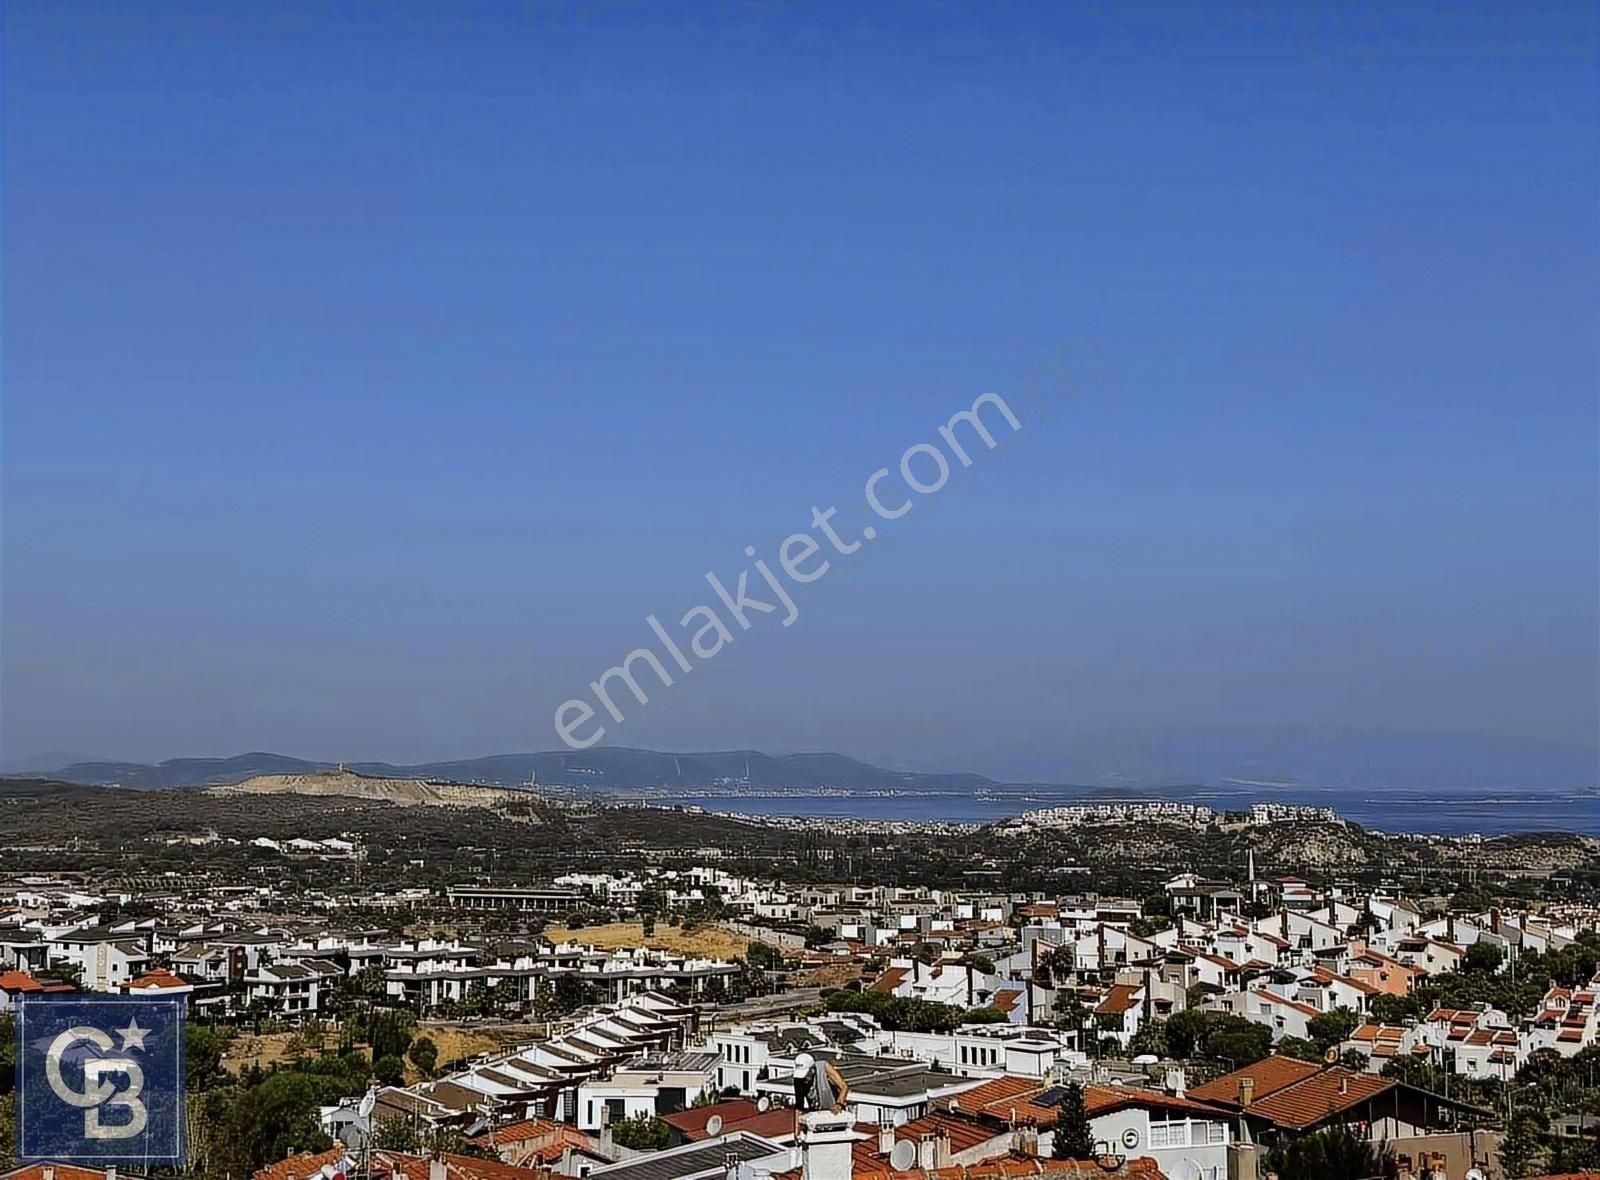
[(372, 371)]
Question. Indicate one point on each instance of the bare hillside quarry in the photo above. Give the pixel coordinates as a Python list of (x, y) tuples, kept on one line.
[(348, 784)]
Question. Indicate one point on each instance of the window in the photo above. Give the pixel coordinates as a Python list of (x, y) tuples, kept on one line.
[(1216, 1132), (1169, 1135)]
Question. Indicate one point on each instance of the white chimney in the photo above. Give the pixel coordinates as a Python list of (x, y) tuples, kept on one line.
[(437, 1169), (885, 1136), (826, 1140)]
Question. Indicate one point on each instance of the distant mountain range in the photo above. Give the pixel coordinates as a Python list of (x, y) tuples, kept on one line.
[(606, 769), (1303, 760)]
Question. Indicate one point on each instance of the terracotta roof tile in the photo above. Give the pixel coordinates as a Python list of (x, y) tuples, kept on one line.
[(1269, 1074), (1328, 1092)]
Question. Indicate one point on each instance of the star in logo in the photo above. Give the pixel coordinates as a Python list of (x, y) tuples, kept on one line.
[(133, 1036)]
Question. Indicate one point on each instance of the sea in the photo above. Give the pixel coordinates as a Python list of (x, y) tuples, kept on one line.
[(1434, 811)]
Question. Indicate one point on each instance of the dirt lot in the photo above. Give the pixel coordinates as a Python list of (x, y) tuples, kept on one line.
[(831, 976), (453, 1041), (708, 942)]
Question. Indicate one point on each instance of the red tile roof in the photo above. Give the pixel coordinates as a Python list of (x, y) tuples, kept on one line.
[(738, 1114), (160, 977), (520, 1132), (391, 1163), (1119, 999), (1269, 1074), (1012, 1167), (964, 1134), (298, 1167), (889, 980), (1329, 1092), (62, 1172), (1098, 1100)]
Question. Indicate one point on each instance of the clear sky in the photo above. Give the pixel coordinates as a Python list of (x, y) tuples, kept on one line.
[(371, 371)]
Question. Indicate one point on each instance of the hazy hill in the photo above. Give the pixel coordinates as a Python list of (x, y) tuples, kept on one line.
[(605, 768)]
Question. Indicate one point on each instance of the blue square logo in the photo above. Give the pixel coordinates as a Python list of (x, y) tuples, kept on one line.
[(100, 1079)]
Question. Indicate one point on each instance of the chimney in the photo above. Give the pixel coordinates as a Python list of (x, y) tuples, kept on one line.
[(111, 1172), (49, 1173), (608, 1147), (927, 1153), (1028, 1140), (941, 1148), (826, 1142), (1247, 1092), (885, 1136), (1344, 1085)]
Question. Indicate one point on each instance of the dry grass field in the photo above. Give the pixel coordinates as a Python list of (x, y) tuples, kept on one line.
[(708, 942), (454, 1042)]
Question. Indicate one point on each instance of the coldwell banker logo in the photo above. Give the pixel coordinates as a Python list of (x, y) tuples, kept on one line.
[(100, 1078)]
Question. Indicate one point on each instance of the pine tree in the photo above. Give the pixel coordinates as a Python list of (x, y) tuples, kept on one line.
[(1074, 1140)]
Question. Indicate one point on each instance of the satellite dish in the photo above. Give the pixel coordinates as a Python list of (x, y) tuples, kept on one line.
[(1331, 1056), (1475, 1174), (903, 1155), (714, 1125), (368, 1101), (763, 1104)]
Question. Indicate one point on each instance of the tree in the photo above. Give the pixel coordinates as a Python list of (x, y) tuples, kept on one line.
[(1151, 1038), (1185, 1030), (763, 957), (202, 1057), (424, 1054), (388, 1032), (1299, 1048), (983, 1016), (643, 1132), (1483, 956), (1520, 1149), (1387, 1009), (1327, 1029), (8, 1055), (267, 1120), (1058, 965), (1335, 1154), (1074, 1140), (389, 1069), (1238, 1041)]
